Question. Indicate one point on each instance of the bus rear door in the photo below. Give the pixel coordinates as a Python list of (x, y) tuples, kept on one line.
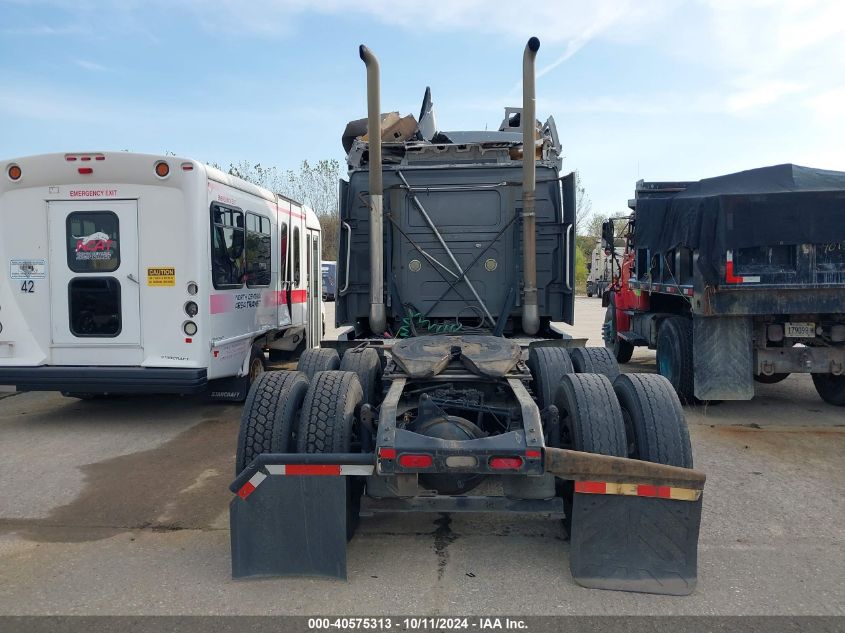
[(94, 283)]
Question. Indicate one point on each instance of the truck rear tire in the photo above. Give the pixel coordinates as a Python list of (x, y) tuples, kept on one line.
[(316, 359), (674, 356), (831, 388), (366, 364), (591, 421), (622, 350), (594, 360), (269, 417), (327, 424), (548, 365), (654, 420)]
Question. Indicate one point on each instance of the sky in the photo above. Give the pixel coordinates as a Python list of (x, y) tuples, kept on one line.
[(653, 89)]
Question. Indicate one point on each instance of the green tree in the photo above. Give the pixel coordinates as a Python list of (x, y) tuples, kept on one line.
[(312, 185)]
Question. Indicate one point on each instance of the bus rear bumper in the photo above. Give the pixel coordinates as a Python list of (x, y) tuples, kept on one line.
[(98, 379)]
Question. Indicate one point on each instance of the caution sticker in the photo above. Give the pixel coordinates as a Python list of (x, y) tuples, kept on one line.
[(161, 276)]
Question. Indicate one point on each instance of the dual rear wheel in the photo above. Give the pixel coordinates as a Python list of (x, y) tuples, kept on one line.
[(622, 415), (314, 410)]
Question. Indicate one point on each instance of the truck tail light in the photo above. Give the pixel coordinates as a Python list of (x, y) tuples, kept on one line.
[(409, 460), (506, 463)]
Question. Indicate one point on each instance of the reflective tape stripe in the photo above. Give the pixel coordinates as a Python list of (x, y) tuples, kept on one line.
[(330, 470), (637, 490), (249, 487), (731, 277), (320, 469)]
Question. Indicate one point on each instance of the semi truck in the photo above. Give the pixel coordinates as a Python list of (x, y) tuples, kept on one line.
[(456, 389), (735, 279)]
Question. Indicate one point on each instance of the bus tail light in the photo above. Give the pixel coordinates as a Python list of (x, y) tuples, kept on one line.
[(14, 172), (162, 169)]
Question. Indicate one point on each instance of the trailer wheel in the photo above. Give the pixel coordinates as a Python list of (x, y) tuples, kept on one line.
[(831, 388), (316, 359), (594, 360), (366, 364), (674, 356), (591, 421), (327, 425), (770, 379), (622, 350), (548, 365), (269, 415), (654, 420)]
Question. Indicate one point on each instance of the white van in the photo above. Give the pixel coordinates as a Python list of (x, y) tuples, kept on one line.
[(133, 273)]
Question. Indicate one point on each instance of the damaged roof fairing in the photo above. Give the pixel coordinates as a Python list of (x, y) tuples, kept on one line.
[(406, 141)]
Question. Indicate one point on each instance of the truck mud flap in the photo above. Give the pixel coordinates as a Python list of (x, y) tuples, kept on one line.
[(634, 523), (290, 526), (289, 514), (630, 543)]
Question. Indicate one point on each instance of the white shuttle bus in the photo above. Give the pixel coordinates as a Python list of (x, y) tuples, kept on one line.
[(131, 273)]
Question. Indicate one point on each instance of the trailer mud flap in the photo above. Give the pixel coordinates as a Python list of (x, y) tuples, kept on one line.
[(633, 543), (289, 526)]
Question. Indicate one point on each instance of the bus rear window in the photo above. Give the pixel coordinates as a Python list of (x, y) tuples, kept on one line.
[(94, 306), (93, 242)]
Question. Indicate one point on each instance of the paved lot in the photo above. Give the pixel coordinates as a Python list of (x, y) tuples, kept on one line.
[(120, 507)]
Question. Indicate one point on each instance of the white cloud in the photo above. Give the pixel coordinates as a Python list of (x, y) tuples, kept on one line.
[(760, 94), (829, 106), (89, 65)]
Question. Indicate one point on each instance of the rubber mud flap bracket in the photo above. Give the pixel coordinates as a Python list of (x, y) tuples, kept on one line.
[(630, 543), (290, 526)]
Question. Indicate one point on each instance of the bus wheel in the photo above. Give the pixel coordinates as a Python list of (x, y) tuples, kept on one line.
[(270, 414), (256, 366), (831, 388), (327, 425)]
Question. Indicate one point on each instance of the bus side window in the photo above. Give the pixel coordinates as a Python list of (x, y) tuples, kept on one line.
[(283, 251), (258, 254), (296, 276), (227, 247)]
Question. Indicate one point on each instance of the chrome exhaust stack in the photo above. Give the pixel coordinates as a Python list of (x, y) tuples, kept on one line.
[(378, 315), (530, 310)]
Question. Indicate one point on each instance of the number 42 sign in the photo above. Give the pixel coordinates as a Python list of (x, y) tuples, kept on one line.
[(27, 271)]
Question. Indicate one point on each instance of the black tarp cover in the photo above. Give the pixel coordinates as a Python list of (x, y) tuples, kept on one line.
[(782, 204)]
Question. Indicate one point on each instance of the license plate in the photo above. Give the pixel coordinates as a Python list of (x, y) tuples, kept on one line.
[(799, 330)]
